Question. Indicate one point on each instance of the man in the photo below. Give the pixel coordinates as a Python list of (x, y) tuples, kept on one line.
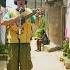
[(13, 25)]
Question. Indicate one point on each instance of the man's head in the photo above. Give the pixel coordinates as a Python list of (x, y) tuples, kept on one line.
[(19, 3)]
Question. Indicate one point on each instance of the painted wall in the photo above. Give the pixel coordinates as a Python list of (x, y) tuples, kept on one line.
[(68, 19)]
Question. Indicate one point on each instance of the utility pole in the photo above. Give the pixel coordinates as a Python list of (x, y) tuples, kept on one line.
[(41, 3), (35, 3)]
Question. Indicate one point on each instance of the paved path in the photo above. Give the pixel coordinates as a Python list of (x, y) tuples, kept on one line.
[(42, 60), (3, 65)]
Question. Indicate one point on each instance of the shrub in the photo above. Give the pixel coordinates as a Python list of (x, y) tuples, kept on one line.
[(65, 47), (2, 49), (68, 53)]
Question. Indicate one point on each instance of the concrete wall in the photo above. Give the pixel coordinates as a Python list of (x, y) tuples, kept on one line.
[(31, 3), (56, 24)]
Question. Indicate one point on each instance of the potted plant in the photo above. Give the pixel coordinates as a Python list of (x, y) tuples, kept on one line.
[(65, 47), (67, 60), (66, 54)]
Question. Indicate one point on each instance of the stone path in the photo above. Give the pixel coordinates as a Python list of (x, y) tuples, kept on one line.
[(3, 65)]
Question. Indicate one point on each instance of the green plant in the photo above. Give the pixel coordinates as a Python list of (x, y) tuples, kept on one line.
[(65, 47), (68, 53), (2, 49)]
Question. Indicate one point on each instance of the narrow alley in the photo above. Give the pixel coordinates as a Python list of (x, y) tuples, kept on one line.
[(35, 23)]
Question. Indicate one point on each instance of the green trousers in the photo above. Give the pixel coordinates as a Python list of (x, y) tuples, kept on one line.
[(24, 58)]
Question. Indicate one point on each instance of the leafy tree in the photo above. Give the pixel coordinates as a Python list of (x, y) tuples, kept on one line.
[(3, 3)]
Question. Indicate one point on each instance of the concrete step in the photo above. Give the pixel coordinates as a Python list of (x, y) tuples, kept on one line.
[(51, 47)]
